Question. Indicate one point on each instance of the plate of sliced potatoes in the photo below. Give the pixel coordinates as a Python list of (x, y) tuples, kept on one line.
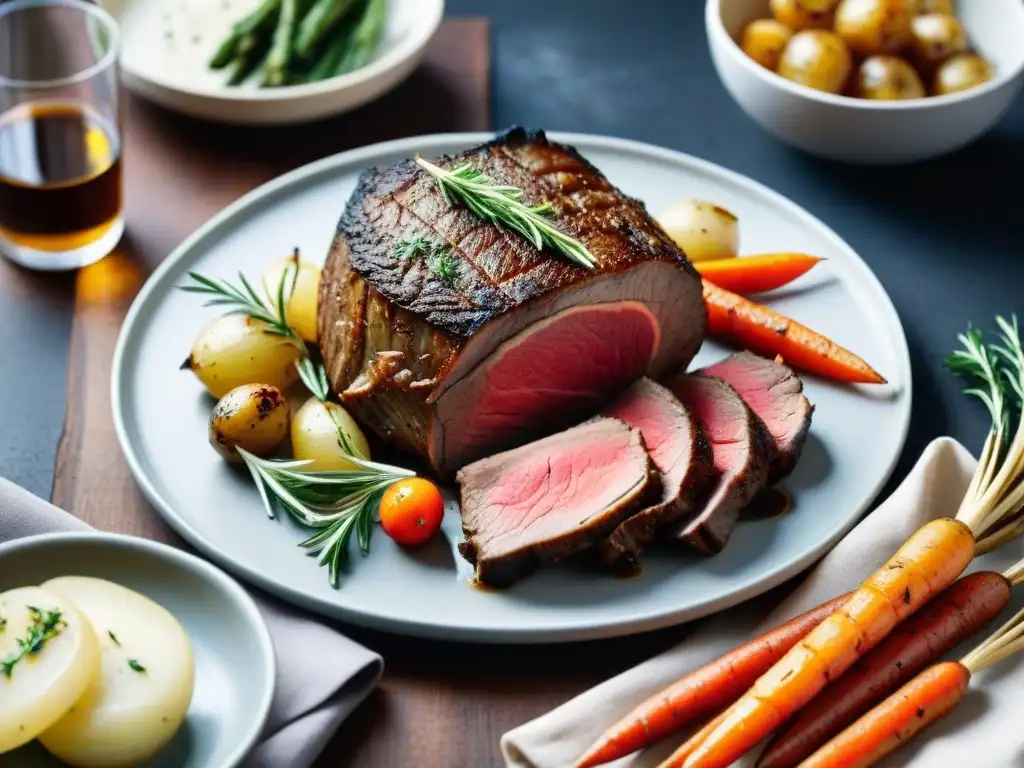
[(117, 651)]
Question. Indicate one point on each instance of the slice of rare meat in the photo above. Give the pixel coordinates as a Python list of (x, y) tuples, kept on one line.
[(547, 500), (680, 452), (775, 394), (741, 447)]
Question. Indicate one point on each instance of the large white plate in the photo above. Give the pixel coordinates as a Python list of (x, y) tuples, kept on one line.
[(166, 44), (161, 416)]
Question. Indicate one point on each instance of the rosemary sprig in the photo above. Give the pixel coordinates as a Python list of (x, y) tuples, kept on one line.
[(502, 205), (436, 254), (45, 626), (335, 503)]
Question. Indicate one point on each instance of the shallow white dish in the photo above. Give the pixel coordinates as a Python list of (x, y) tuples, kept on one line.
[(234, 656), (862, 130), (167, 43), (161, 416)]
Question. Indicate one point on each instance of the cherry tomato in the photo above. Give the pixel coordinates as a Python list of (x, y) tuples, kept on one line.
[(411, 511)]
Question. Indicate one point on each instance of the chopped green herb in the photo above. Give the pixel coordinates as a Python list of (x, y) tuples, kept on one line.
[(136, 666), (436, 254), (113, 637), (45, 626)]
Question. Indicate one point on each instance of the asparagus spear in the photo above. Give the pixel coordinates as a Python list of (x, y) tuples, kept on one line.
[(320, 20), (242, 30), (281, 49), (365, 38), (253, 57), (327, 64)]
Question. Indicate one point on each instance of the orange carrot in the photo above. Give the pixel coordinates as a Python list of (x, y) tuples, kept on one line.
[(752, 274), (946, 621), (930, 560), (924, 699), (766, 332), (677, 758), (704, 691)]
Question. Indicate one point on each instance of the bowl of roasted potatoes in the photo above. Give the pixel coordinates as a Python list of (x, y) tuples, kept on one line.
[(870, 81)]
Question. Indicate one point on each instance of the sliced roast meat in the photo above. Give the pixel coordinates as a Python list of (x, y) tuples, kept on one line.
[(512, 342), (547, 500), (775, 394), (741, 447), (680, 452)]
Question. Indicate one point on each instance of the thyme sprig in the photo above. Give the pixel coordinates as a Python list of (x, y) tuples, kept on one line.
[(503, 205), (437, 255), (335, 503), (45, 626)]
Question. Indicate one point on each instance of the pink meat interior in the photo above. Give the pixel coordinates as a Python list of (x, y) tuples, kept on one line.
[(721, 414), (546, 377)]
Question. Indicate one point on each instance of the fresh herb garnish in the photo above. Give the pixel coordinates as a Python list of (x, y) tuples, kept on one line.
[(436, 254), (114, 638), (136, 666), (335, 503), (503, 205), (996, 372), (45, 626)]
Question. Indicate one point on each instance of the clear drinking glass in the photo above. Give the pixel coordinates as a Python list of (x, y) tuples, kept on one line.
[(60, 141)]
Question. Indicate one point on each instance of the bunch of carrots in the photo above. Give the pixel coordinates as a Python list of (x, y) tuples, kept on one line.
[(734, 318), (849, 681)]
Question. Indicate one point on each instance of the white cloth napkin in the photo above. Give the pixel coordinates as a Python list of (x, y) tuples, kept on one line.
[(985, 730), (315, 692)]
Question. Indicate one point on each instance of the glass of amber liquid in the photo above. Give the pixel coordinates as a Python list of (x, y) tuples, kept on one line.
[(60, 143)]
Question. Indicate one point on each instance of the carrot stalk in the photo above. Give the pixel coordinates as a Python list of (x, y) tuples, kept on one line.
[(704, 691), (924, 699), (753, 274), (950, 618), (930, 560), (677, 758), (769, 333)]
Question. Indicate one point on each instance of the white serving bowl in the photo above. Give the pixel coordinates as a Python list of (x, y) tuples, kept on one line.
[(861, 130)]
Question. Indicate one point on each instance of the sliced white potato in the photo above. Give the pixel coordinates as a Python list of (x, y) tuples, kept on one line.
[(42, 680), (315, 436), (140, 697)]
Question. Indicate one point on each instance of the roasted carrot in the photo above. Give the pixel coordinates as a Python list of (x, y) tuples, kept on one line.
[(704, 691), (766, 332), (924, 699), (930, 560), (752, 274), (951, 617), (677, 758)]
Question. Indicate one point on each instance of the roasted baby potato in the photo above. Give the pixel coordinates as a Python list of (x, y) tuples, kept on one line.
[(963, 71), (887, 78), (702, 230), (301, 302), (315, 436), (238, 349), (804, 14), (871, 27), (763, 41), (934, 37), (254, 417), (817, 59)]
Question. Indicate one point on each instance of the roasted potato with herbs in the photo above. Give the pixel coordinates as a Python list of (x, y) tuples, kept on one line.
[(315, 436), (254, 417), (237, 349), (804, 14), (302, 301), (817, 59), (887, 78), (763, 41), (963, 71), (872, 27), (934, 37), (702, 230)]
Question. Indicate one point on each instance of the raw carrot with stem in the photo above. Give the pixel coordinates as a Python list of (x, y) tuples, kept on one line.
[(704, 691), (923, 700), (765, 331), (753, 274), (950, 618), (931, 559)]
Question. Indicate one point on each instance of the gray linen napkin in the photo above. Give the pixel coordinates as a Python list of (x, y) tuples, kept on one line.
[(315, 692), (984, 730)]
